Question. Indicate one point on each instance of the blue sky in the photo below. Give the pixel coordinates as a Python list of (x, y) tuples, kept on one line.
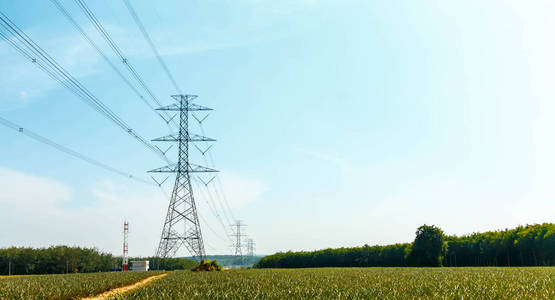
[(339, 123)]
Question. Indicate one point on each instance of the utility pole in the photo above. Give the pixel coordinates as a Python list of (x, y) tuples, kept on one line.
[(10, 268), (238, 236), (182, 207), (125, 259)]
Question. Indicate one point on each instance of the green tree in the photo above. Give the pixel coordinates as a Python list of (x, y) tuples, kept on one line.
[(428, 247), (521, 246)]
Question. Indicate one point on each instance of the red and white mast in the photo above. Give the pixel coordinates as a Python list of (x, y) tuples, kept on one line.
[(124, 266)]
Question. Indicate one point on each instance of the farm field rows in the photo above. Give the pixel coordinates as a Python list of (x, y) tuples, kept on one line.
[(66, 286), (325, 283), (355, 283)]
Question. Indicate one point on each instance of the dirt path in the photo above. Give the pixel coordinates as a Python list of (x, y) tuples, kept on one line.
[(125, 289)]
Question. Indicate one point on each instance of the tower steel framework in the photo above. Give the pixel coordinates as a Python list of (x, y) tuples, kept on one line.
[(182, 207), (238, 245), (250, 248)]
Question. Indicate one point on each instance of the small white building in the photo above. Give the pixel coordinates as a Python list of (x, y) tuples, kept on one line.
[(139, 265)]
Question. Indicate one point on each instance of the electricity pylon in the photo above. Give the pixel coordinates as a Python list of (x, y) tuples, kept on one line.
[(182, 207), (238, 236), (250, 248)]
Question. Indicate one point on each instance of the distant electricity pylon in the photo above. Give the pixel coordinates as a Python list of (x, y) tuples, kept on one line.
[(182, 207), (125, 260), (238, 236), (250, 248)]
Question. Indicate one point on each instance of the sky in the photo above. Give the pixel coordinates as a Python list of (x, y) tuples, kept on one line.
[(338, 123)]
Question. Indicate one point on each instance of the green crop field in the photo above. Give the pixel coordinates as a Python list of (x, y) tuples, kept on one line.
[(326, 283), (355, 283), (65, 286)]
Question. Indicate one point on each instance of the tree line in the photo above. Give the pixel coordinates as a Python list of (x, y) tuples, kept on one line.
[(530, 245), (64, 259), (53, 260)]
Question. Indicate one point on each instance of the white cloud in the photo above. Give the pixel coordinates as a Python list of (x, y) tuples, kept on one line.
[(43, 212), (21, 191)]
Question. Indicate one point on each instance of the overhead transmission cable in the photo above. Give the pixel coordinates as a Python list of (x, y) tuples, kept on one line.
[(64, 11), (151, 44), (211, 164), (46, 141), (218, 251), (212, 207), (32, 51), (220, 203), (119, 53), (222, 200), (137, 20), (106, 36), (210, 227), (225, 209)]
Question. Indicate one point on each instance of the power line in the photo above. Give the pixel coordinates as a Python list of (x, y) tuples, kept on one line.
[(62, 9), (46, 141), (225, 209), (206, 187), (97, 24), (151, 44), (32, 51), (212, 206), (218, 180), (209, 227), (219, 202), (113, 45), (221, 252)]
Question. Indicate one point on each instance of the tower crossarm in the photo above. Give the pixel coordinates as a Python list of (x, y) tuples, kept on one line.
[(190, 107), (187, 97), (176, 137), (192, 168)]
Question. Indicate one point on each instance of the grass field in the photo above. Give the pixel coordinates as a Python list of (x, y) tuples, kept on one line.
[(65, 286), (327, 283), (355, 283)]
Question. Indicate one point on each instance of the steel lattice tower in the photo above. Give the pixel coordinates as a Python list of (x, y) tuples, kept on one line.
[(182, 207), (250, 247), (238, 236)]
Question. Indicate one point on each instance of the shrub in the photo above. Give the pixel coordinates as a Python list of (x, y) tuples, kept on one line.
[(208, 266)]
